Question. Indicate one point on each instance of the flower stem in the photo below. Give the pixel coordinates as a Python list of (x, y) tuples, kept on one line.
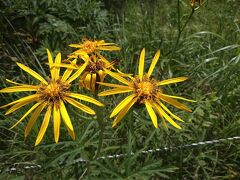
[(102, 128)]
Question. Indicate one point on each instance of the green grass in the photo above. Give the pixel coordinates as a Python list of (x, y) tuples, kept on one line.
[(207, 51)]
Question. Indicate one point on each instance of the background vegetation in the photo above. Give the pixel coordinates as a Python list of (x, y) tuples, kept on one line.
[(203, 46)]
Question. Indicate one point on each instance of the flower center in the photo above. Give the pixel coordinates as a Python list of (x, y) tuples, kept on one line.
[(145, 89), (54, 91), (94, 67), (89, 46)]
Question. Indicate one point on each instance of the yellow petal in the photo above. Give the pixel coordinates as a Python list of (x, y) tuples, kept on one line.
[(172, 80), (101, 75), (71, 133), (69, 66), (80, 105), (177, 97), (93, 82), (151, 113), (87, 81), (141, 64), (65, 116), (122, 104), (85, 98), (154, 62), (169, 112), (162, 113), (114, 85), (103, 58), (50, 62), (118, 77), (109, 48), (78, 72), (33, 118), (114, 91), (57, 69), (25, 115), (12, 82), (33, 73), (57, 122), (175, 103), (19, 89), (24, 99), (68, 71), (19, 105), (44, 125), (75, 45), (123, 112)]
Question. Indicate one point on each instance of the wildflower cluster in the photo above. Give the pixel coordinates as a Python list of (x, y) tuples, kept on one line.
[(53, 92)]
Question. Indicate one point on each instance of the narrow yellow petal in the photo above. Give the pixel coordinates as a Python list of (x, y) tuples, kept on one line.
[(78, 72), (175, 103), (71, 133), (33, 118), (103, 58), (19, 105), (19, 89), (68, 71), (25, 115), (169, 112), (114, 85), (85, 98), (151, 113), (24, 99), (12, 82), (33, 73), (69, 66), (107, 44), (122, 104), (123, 112), (87, 81), (80, 105), (109, 48), (118, 77), (75, 45), (177, 97), (162, 113), (141, 64), (65, 116), (57, 69), (172, 80), (50, 62), (44, 125), (101, 75), (57, 122), (154, 62), (93, 82), (114, 91)]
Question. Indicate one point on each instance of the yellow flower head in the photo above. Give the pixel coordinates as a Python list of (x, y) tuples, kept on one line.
[(145, 90), (93, 47), (95, 72), (94, 69), (51, 94)]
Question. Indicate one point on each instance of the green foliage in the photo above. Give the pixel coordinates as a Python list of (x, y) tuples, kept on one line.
[(205, 46)]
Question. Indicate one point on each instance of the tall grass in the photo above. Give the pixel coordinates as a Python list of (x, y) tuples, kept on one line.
[(206, 50)]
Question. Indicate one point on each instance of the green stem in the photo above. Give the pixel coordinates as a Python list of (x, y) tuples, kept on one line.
[(102, 128), (181, 29)]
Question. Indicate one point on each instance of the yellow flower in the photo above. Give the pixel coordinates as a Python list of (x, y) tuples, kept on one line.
[(93, 47), (93, 72), (145, 90), (51, 94)]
